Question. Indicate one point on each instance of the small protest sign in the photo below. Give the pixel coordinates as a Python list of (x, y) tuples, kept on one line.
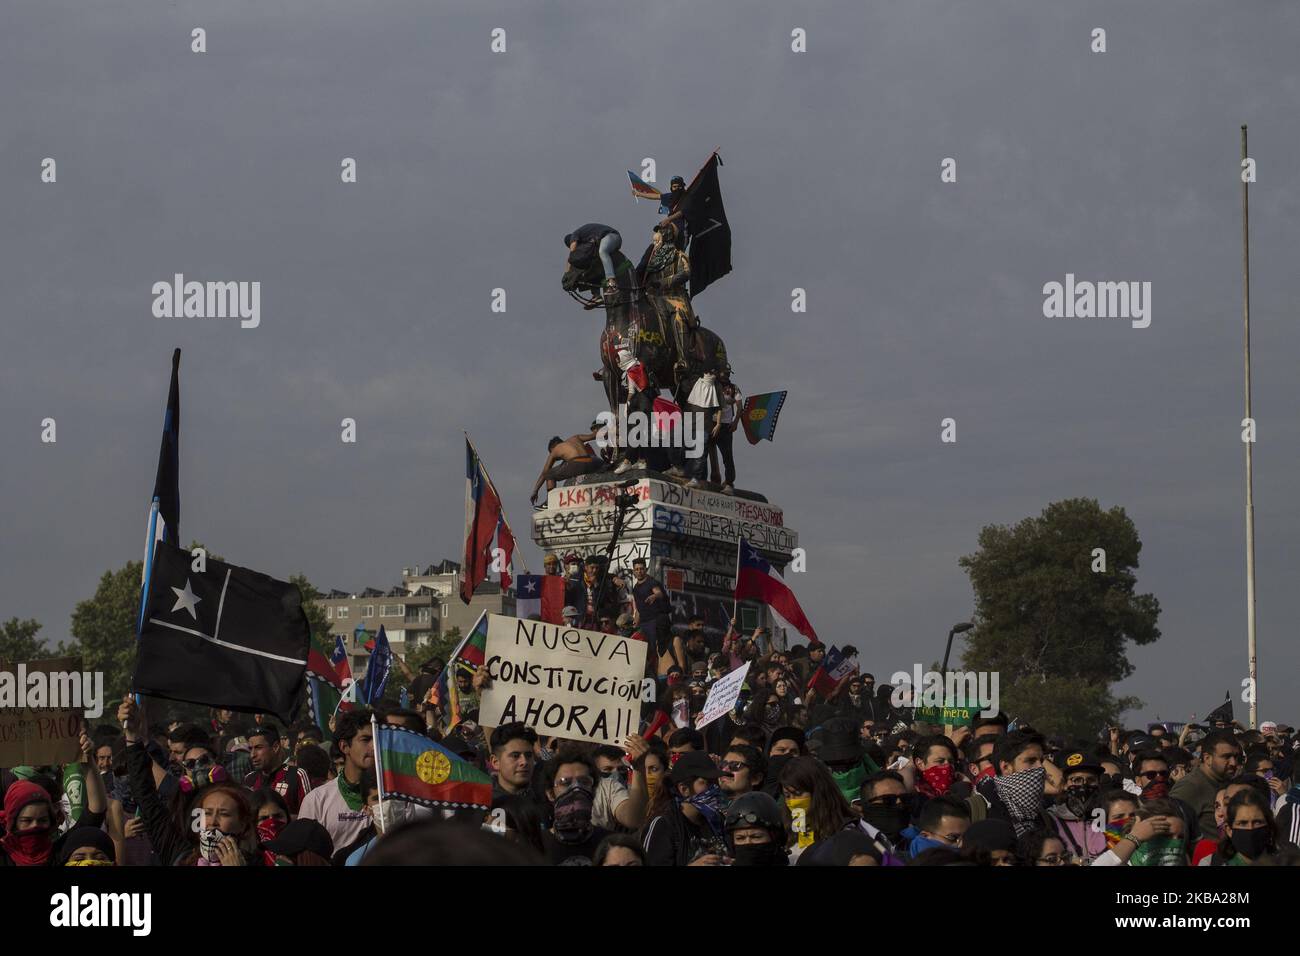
[(722, 696), (37, 725), (562, 681), (949, 716)]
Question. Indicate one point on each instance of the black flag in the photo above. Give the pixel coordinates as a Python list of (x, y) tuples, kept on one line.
[(706, 223), (1223, 712), (227, 637)]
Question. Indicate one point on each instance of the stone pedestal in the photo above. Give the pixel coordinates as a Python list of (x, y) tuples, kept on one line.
[(687, 536)]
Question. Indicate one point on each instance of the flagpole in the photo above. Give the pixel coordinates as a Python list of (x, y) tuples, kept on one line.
[(504, 520), (1253, 663), (379, 770), (735, 601)]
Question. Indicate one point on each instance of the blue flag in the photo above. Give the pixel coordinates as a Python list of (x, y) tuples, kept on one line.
[(376, 679)]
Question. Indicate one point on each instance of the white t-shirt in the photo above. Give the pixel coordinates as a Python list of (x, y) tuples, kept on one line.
[(327, 807), (610, 794), (729, 408), (704, 394)]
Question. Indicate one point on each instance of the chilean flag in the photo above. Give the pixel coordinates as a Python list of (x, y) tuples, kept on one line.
[(758, 581), (482, 515), (343, 670), (540, 594)]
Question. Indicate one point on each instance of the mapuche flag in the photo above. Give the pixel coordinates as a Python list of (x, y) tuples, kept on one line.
[(412, 767), (758, 581), (482, 515), (226, 637), (706, 223), (759, 415)]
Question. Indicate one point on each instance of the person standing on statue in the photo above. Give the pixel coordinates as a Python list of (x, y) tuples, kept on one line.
[(605, 240), (672, 201), (704, 404), (732, 406)]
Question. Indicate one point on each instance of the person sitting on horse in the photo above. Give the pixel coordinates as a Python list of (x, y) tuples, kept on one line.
[(606, 240), (666, 273), (672, 201)]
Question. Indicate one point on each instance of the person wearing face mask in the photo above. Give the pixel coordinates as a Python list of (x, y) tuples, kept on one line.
[(1209, 842), (571, 787), (816, 806), (1071, 816), (301, 843), (941, 825), (755, 831), (1249, 833), (28, 820), (1016, 793), (687, 825), (885, 813), (1154, 836), (86, 846), (841, 751)]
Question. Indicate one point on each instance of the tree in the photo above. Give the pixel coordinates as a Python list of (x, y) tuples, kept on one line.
[(1054, 629), (18, 642), (316, 619), (103, 628)]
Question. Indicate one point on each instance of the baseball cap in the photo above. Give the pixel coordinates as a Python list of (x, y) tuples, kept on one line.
[(302, 835), (1075, 760), (569, 611)]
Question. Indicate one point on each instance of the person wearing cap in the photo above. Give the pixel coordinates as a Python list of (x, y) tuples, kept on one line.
[(570, 615), (996, 838), (87, 846), (688, 828), (302, 843), (841, 751), (1071, 816), (755, 831)]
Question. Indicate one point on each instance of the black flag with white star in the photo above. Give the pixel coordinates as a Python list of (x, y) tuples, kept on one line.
[(227, 637)]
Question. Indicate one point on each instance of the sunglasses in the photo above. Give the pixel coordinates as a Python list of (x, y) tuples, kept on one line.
[(886, 800), (731, 766), (197, 764), (582, 780)]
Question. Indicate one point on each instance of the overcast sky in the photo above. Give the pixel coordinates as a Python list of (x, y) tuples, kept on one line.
[(924, 299)]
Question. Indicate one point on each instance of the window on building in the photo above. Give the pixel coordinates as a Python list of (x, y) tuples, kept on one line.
[(367, 610), (391, 610), (329, 613), (343, 613)]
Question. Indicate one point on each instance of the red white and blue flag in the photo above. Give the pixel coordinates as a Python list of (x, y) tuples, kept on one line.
[(540, 594), (836, 666), (482, 516), (757, 580)]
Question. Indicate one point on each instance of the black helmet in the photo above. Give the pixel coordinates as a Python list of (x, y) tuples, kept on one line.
[(755, 809)]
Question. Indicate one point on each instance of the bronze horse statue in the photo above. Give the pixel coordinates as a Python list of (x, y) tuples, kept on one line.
[(672, 357)]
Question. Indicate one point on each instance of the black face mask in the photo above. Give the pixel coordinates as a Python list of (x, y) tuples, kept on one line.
[(760, 854), (1110, 781), (891, 821), (1250, 843), (1078, 798)]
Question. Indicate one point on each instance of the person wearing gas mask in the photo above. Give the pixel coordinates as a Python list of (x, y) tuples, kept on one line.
[(571, 787), (215, 827), (755, 831), (1072, 815)]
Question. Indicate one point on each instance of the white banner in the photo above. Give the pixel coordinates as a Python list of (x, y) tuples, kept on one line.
[(562, 681), (722, 696)]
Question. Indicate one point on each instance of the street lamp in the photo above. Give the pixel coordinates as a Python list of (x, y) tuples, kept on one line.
[(961, 628)]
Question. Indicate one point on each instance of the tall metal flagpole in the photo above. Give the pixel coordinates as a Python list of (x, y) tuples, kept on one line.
[(1250, 495)]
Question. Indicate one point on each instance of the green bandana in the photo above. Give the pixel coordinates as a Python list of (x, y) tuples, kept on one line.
[(351, 793), (1167, 852), (850, 781)]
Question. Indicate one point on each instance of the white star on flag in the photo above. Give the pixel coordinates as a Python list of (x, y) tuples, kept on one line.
[(186, 599), (531, 586)]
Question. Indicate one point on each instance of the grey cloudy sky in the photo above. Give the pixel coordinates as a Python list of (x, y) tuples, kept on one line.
[(924, 299)]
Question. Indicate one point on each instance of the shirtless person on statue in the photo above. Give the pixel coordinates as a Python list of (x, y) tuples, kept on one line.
[(569, 458)]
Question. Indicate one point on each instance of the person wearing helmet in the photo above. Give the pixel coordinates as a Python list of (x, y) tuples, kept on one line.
[(756, 831)]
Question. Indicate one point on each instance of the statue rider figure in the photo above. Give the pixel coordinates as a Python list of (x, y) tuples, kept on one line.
[(606, 240), (666, 273)]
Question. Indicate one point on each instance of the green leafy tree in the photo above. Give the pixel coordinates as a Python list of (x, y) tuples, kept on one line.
[(1053, 628), (103, 628), (18, 642), (316, 619)]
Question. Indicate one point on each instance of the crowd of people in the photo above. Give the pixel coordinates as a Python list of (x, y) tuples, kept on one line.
[(798, 772)]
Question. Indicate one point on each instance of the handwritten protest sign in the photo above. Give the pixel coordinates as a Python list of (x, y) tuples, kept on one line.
[(722, 696), (949, 716), (562, 681), (33, 736)]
